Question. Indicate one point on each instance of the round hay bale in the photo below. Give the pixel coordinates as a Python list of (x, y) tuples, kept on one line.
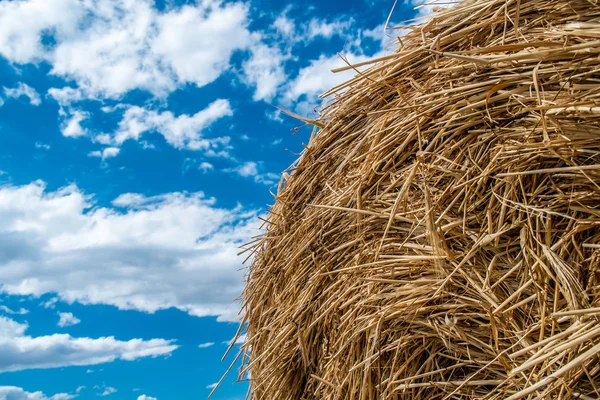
[(439, 238)]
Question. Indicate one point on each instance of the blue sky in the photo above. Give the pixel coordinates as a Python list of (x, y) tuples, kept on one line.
[(139, 145)]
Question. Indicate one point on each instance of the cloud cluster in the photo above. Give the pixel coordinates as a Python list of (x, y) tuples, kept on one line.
[(143, 253), (111, 47), (19, 351)]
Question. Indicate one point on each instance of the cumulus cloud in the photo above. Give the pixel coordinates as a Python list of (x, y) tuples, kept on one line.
[(17, 393), (144, 397), (19, 351), (144, 253), (110, 54), (67, 319), (22, 24), (205, 345), (182, 132), (197, 42), (23, 89)]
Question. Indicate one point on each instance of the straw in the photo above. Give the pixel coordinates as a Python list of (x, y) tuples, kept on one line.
[(439, 237)]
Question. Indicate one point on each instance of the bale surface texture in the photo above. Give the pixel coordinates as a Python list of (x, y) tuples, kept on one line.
[(439, 237)]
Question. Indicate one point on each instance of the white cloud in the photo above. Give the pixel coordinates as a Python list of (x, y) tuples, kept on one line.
[(320, 28), (19, 351), (103, 138), (252, 170), (211, 386), (110, 54), (108, 152), (71, 127), (7, 310), (150, 253), (22, 24), (66, 96), (40, 145), (17, 393), (181, 132), (285, 26), (67, 319), (79, 389), (50, 303), (264, 70), (205, 345), (317, 77), (197, 42), (23, 89), (248, 169), (111, 47), (205, 167), (107, 391), (144, 397)]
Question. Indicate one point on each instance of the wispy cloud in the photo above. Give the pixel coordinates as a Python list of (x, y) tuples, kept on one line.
[(7, 310), (25, 90)]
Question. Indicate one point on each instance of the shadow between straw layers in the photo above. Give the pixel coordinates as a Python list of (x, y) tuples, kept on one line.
[(439, 238)]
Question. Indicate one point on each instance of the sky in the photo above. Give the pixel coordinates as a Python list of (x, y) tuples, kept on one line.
[(140, 143)]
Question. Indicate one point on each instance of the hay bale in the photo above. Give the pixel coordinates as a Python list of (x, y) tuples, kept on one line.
[(439, 237)]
